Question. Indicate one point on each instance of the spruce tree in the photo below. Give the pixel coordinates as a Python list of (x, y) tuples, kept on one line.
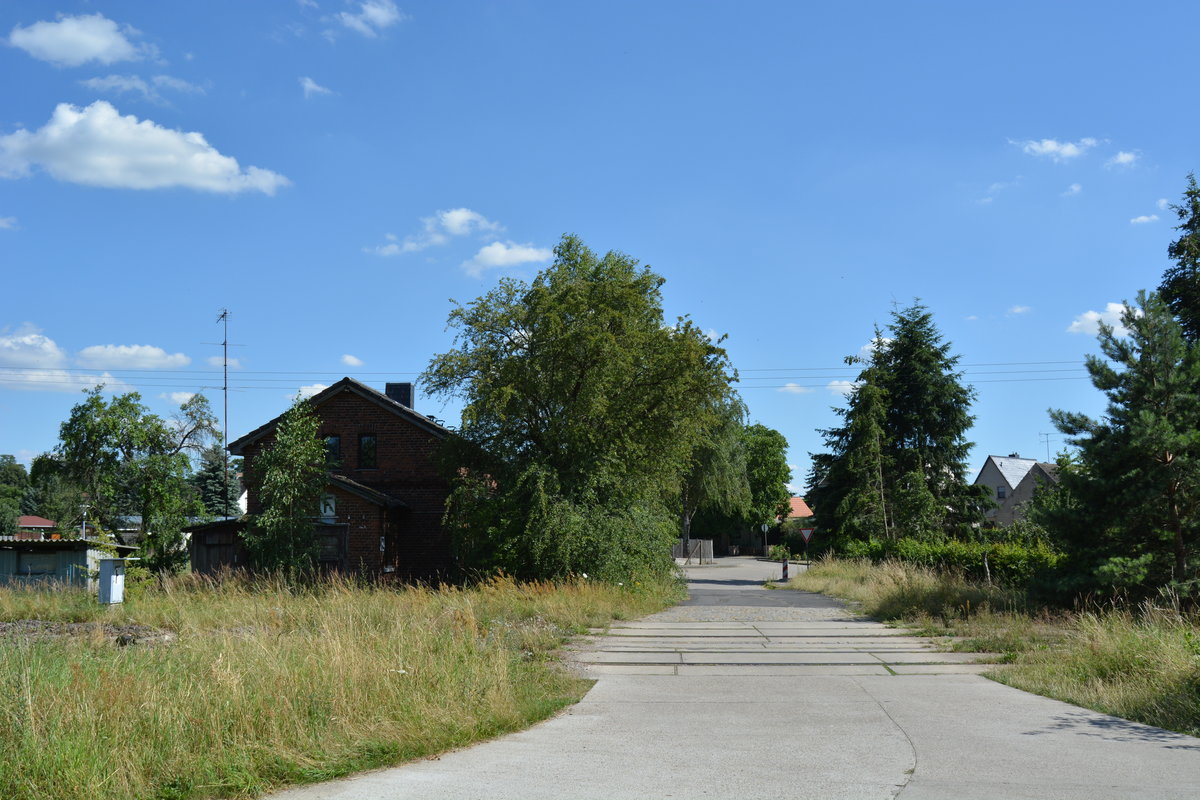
[(1180, 286)]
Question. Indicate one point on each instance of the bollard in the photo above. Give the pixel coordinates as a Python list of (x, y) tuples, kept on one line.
[(785, 566)]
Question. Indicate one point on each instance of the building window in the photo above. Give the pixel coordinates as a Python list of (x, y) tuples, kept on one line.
[(333, 449), (1000, 492), (367, 458)]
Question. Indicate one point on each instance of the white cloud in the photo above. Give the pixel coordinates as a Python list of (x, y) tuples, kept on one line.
[(372, 17), (1163, 204), (1054, 149), (217, 361), (129, 356), (996, 188), (352, 361), (58, 380), (311, 87), (794, 388), (867, 350), (1143, 219), (437, 230), (8, 223), (311, 389), (178, 398), (505, 254), (1089, 321), (1020, 310), (121, 84), (96, 146), (27, 347), (842, 387), (1072, 190), (1122, 159), (72, 41)]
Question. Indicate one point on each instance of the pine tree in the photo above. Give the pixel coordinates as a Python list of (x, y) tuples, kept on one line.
[(1180, 286), (217, 482)]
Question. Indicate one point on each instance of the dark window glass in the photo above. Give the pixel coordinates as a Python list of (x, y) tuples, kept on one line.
[(333, 449), (366, 452), (1000, 492)]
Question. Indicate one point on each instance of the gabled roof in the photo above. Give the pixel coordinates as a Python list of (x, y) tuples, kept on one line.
[(1012, 468), (30, 521), (362, 390), (799, 508)]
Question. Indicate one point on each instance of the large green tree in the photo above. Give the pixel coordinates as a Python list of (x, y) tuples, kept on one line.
[(1180, 286), (290, 474), (1136, 483), (896, 466), (129, 461), (717, 479), (582, 411), (14, 483)]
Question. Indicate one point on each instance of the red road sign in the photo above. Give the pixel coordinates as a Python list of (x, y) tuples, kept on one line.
[(807, 534)]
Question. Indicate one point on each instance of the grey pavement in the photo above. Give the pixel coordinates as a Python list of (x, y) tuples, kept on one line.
[(748, 692)]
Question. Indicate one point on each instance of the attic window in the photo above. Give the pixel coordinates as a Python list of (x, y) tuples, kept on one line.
[(367, 458), (333, 449), (1000, 492)]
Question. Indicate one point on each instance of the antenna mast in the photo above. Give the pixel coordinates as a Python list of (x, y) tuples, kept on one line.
[(223, 318)]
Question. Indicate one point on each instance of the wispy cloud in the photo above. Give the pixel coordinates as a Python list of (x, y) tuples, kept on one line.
[(8, 223), (505, 254), (996, 188), (372, 17), (352, 361), (437, 230), (1054, 149), (97, 146), (134, 84), (1019, 310), (794, 388), (218, 361), (1072, 190), (1163, 204), (311, 87), (72, 41), (1089, 321), (178, 398), (842, 388), (129, 356), (1144, 219), (1122, 159)]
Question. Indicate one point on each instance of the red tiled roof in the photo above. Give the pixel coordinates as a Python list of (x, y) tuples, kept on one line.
[(34, 522), (799, 508)]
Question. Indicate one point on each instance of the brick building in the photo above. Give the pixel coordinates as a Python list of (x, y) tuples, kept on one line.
[(381, 512)]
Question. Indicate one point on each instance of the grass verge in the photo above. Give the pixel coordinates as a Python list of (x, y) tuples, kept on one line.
[(1141, 664), (258, 686)]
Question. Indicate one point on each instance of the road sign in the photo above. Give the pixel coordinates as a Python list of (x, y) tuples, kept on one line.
[(807, 534)]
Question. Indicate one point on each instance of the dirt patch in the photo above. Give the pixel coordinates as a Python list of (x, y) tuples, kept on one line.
[(120, 635)]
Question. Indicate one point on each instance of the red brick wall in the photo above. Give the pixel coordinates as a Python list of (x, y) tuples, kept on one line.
[(417, 546)]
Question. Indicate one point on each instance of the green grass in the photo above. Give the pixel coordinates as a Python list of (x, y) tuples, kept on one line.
[(262, 686), (1141, 664)]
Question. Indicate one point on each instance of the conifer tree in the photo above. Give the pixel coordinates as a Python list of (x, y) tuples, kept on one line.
[(1180, 286)]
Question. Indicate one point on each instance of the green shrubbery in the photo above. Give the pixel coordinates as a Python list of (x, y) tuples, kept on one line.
[(1010, 563)]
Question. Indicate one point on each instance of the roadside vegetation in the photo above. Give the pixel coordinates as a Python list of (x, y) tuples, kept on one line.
[(228, 689), (1138, 661)]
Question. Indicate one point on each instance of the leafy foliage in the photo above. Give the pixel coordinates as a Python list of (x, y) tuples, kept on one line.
[(581, 418), (290, 474)]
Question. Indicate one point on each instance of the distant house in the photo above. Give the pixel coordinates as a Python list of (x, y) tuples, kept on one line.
[(1011, 481), (37, 554), (799, 509), (381, 512)]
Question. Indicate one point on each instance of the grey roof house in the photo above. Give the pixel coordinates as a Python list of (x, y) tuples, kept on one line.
[(1012, 480)]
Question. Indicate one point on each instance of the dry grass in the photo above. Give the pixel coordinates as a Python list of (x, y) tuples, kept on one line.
[(1141, 664), (263, 686)]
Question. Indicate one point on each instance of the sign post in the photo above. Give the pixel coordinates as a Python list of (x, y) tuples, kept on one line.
[(807, 534), (764, 528)]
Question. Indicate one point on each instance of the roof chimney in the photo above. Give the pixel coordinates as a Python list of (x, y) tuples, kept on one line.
[(402, 393)]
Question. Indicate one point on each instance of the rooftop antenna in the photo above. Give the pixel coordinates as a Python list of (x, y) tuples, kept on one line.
[(1047, 437), (223, 318)]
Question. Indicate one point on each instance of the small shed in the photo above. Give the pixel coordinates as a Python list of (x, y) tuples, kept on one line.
[(25, 561)]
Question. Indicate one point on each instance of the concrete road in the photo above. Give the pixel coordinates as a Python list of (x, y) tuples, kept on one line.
[(745, 692)]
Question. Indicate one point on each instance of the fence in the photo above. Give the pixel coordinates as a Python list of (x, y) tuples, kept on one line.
[(698, 551)]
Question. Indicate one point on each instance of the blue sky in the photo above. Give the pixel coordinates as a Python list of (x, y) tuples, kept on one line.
[(334, 171)]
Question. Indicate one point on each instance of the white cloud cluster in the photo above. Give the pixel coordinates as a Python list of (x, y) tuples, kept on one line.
[(178, 398), (129, 356), (842, 388), (97, 146), (372, 17), (311, 87), (310, 390), (1143, 219), (73, 41), (1089, 321), (1054, 149), (149, 90), (438, 230), (505, 254), (352, 361), (32, 361)]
